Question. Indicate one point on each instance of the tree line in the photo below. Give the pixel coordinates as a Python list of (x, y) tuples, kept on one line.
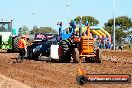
[(24, 30), (123, 24)]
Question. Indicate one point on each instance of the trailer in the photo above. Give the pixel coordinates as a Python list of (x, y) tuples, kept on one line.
[(44, 47)]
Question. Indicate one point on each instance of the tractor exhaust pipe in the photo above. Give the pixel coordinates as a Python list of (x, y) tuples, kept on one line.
[(80, 27)]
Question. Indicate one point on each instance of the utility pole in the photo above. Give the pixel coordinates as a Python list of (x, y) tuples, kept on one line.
[(114, 25)]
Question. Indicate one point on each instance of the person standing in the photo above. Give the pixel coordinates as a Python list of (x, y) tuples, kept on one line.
[(22, 47)]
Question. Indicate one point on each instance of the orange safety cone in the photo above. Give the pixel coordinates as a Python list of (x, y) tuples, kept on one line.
[(82, 71)]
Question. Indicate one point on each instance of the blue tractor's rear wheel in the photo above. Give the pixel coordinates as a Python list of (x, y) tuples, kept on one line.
[(66, 55)]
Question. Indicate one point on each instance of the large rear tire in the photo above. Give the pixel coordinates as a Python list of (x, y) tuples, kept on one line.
[(66, 55), (15, 44)]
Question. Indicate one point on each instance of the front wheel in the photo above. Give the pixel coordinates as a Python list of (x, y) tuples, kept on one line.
[(90, 59)]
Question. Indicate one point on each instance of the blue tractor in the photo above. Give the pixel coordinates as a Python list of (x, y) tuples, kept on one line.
[(67, 43)]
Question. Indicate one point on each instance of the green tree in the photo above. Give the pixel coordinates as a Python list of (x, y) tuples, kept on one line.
[(122, 27), (35, 29), (92, 21), (43, 30), (23, 30)]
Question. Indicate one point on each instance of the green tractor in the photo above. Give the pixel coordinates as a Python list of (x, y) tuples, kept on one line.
[(8, 38)]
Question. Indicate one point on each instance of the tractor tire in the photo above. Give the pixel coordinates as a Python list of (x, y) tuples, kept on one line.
[(30, 54), (98, 56), (33, 56), (81, 80), (66, 55), (90, 59), (15, 44)]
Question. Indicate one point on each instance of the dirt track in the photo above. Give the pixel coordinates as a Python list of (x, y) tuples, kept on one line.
[(6, 82), (57, 75)]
